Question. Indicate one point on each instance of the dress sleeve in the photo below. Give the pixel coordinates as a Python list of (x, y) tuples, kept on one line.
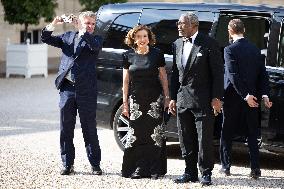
[(161, 62), (125, 61)]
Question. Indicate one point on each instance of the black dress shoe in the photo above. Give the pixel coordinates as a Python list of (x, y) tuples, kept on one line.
[(140, 173), (96, 170), (186, 178), (135, 175), (68, 170), (226, 172), (206, 180), (255, 173)]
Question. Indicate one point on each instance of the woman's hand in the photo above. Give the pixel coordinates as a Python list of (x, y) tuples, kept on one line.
[(125, 109), (172, 107), (166, 103)]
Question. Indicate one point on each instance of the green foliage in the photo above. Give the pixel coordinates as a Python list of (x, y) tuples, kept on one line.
[(28, 11), (94, 5)]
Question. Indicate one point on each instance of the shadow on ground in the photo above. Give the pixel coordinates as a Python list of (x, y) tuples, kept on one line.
[(240, 157)]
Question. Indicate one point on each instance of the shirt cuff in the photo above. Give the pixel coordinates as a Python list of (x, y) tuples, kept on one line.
[(50, 27), (264, 96), (246, 97)]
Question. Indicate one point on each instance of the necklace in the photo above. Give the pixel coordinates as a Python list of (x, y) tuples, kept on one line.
[(143, 52)]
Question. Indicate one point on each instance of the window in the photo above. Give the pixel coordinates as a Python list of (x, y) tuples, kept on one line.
[(163, 25), (118, 30), (34, 36), (281, 47), (256, 30), (23, 37)]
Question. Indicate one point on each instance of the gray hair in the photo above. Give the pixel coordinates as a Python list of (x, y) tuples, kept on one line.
[(192, 18), (87, 13)]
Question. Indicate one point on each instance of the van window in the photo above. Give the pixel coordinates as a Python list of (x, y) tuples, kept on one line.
[(118, 30), (163, 25), (281, 48), (256, 31)]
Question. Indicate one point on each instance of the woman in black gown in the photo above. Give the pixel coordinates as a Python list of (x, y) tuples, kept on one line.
[(145, 96)]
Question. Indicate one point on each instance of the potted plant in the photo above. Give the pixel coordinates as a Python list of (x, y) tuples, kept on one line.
[(27, 59)]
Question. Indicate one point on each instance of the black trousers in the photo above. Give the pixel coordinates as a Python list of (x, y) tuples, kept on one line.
[(196, 129), (69, 104), (237, 115)]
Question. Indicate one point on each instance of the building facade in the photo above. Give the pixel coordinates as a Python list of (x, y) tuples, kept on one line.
[(14, 33)]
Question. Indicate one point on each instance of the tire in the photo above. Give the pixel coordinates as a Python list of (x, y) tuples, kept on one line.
[(120, 128)]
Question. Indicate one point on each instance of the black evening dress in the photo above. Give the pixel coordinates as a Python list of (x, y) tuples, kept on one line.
[(145, 149)]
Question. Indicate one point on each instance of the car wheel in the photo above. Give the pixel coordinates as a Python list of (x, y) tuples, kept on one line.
[(120, 128)]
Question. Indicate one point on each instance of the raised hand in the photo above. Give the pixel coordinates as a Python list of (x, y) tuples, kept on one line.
[(57, 20)]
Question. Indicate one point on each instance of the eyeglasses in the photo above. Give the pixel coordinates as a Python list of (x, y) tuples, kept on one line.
[(180, 23)]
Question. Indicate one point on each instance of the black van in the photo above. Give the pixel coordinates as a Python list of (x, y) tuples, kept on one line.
[(264, 27)]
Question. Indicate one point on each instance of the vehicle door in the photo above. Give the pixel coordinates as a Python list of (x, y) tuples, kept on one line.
[(276, 77), (257, 28)]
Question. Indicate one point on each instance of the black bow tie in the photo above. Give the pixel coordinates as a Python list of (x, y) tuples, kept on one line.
[(185, 39)]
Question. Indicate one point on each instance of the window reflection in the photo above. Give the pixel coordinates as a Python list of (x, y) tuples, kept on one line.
[(118, 30)]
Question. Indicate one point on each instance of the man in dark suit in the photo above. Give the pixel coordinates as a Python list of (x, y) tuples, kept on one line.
[(77, 83), (245, 80), (196, 90)]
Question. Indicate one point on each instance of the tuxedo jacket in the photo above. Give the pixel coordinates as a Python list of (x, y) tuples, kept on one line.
[(82, 61), (245, 69), (202, 79)]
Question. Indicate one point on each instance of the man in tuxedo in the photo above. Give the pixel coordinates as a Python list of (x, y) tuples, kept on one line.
[(245, 80), (196, 90), (77, 83)]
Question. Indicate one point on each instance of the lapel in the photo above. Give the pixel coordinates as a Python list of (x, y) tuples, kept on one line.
[(179, 46), (72, 38), (80, 46), (192, 56)]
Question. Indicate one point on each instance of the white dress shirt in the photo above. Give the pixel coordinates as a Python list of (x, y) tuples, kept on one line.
[(187, 46)]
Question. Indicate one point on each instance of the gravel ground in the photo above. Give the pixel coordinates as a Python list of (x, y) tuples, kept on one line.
[(29, 149), (33, 161)]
